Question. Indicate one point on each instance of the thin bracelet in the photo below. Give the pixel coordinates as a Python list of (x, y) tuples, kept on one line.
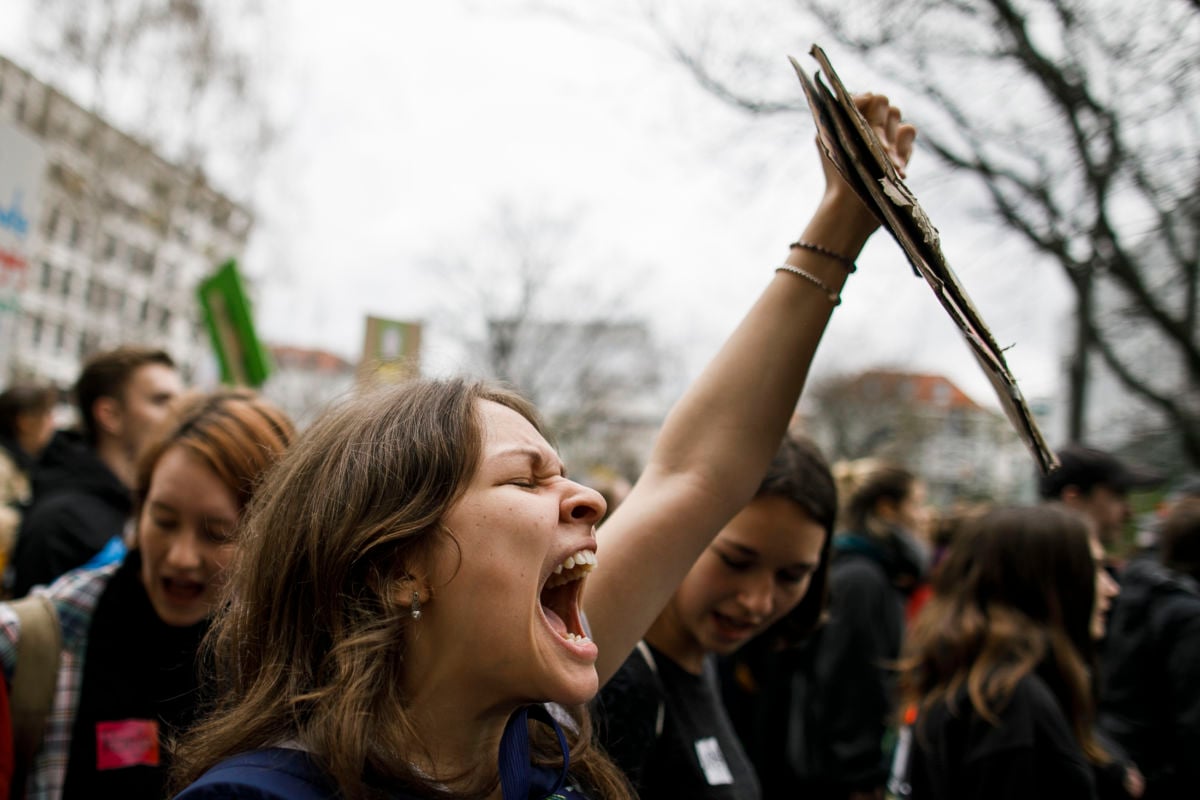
[(847, 263), (833, 296)]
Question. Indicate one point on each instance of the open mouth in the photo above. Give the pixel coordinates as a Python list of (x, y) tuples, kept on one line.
[(730, 627), (560, 595), (183, 591)]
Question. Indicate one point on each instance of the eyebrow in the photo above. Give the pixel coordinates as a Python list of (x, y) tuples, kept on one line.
[(158, 505), (535, 456), (750, 552)]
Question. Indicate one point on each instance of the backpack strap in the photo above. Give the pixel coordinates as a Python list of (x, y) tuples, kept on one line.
[(648, 657), (265, 770), (35, 676)]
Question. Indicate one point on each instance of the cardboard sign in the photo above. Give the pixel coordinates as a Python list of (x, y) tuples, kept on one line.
[(853, 148)]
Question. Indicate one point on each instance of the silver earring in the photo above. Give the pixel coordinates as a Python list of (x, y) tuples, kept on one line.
[(416, 606)]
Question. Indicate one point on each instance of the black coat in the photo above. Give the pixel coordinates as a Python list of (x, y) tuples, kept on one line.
[(78, 505), (1150, 689)]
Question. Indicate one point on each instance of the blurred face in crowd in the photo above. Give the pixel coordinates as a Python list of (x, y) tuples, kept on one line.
[(914, 513), (185, 535), (1106, 588), (755, 571), (1108, 508), (145, 401), (34, 430)]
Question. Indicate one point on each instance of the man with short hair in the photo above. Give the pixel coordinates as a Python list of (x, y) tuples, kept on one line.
[(1098, 485), (83, 481)]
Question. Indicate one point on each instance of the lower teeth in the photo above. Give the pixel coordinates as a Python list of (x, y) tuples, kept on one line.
[(573, 638)]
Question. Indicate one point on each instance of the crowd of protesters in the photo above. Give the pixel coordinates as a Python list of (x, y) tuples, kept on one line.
[(204, 604)]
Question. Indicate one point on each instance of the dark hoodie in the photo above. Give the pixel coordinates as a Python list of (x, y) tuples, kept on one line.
[(842, 697), (1150, 691), (78, 505)]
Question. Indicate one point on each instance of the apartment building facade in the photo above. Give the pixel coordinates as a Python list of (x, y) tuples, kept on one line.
[(119, 240)]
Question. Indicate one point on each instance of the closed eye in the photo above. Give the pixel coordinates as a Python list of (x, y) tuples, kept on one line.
[(163, 523), (796, 575), (735, 564)]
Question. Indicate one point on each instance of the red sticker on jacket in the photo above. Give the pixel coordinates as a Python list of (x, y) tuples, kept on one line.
[(127, 743)]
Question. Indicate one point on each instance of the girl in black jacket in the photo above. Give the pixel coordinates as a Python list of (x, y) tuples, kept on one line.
[(998, 665)]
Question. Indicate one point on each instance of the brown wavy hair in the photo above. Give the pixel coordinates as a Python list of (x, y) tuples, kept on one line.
[(1013, 597), (312, 641)]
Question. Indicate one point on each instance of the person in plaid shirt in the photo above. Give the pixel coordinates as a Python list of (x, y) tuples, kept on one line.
[(127, 676)]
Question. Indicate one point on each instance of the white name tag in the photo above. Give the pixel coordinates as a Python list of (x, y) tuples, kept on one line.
[(712, 761)]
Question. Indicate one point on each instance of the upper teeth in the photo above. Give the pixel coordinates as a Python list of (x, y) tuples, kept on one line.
[(575, 566)]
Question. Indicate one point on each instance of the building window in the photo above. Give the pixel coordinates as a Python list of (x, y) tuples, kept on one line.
[(60, 337), (76, 232), (141, 261), (87, 344), (66, 284), (91, 292), (52, 222), (110, 247), (35, 332), (47, 276), (164, 322), (144, 312)]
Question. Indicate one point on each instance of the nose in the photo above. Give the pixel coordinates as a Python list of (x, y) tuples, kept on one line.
[(1108, 587), (184, 552), (757, 594), (582, 504)]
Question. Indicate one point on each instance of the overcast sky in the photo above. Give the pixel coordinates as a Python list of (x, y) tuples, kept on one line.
[(410, 124)]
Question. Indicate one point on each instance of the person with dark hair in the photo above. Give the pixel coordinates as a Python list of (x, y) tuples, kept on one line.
[(26, 425), (661, 717), (1150, 698), (129, 633), (1096, 483), (408, 615), (998, 664), (842, 697), (82, 482)]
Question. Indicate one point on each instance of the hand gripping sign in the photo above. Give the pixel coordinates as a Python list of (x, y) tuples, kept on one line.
[(854, 149)]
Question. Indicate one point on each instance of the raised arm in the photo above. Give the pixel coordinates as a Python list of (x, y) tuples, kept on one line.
[(719, 438)]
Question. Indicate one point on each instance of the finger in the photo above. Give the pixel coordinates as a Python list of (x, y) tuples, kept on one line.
[(901, 148), (877, 110), (893, 123), (861, 101), (906, 134)]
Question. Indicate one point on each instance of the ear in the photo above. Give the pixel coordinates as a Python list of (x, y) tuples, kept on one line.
[(410, 591), (109, 416), (887, 509), (1071, 496)]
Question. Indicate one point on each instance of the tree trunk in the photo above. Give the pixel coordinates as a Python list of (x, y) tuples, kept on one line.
[(1077, 371)]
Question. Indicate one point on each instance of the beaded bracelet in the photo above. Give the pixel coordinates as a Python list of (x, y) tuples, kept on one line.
[(847, 263), (833, 296)]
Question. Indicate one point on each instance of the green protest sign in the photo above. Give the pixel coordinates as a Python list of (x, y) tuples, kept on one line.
[(226, 308)]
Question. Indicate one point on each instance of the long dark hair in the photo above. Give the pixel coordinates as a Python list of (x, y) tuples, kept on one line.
[(1013, 597), (311, 646), (800, 473)]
